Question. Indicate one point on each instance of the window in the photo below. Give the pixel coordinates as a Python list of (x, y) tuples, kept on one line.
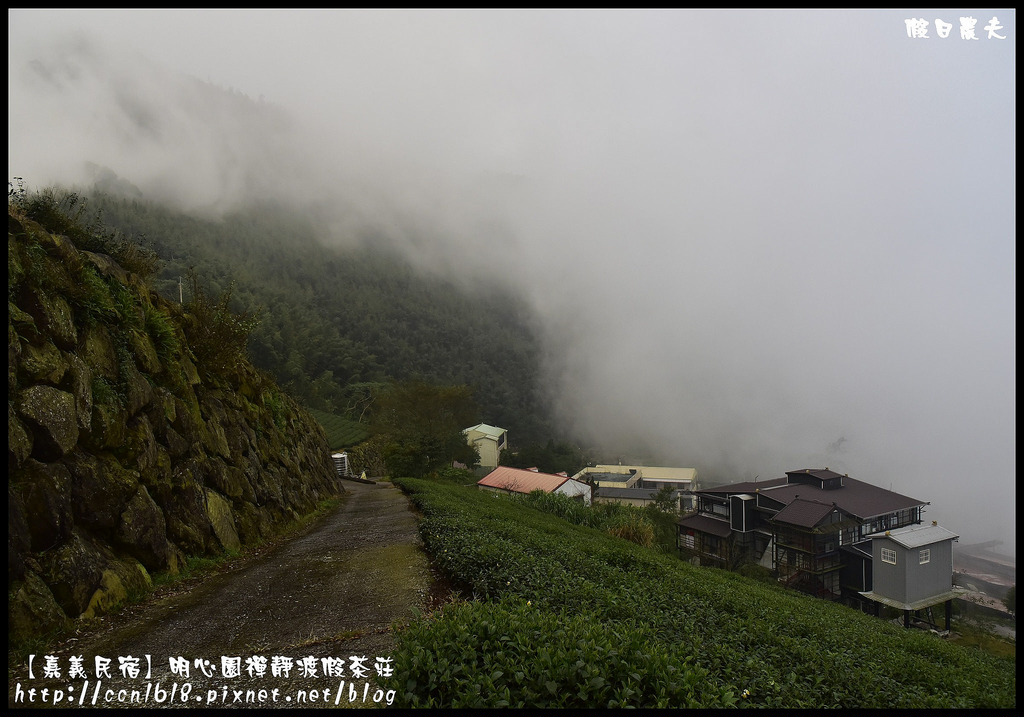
[(889, 556), (925, 556)]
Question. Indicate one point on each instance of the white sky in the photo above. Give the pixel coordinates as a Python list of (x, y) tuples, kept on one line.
[(749, 233)]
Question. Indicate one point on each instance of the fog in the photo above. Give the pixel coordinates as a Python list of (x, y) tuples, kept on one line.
[(755, 241)]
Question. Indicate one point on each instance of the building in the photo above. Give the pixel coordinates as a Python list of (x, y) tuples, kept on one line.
[(637, 485), (520, 480), (912, 569), (490, 441), (812, 528), (639, 497)]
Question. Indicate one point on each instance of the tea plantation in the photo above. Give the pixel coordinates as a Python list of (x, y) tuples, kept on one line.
[(564, 616)]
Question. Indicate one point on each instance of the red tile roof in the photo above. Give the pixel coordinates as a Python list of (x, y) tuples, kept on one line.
[(521, 481)]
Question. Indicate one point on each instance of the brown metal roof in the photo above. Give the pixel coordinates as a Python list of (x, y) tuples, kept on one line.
[(855, 497), (805, 513), (707, 525)]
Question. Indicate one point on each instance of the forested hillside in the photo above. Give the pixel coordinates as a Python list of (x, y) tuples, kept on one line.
[(334, 322)]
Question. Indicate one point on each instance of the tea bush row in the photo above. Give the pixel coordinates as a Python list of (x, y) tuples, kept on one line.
[(765, 646)]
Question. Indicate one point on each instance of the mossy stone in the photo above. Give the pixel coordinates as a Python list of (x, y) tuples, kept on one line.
[(50, 414)]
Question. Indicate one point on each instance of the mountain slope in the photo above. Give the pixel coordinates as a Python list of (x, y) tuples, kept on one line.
[(333, 319)]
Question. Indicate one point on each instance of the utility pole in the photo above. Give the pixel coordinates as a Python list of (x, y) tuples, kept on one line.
[(181, 295)]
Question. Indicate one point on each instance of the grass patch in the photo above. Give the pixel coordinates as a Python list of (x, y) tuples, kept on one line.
[(982, 637)]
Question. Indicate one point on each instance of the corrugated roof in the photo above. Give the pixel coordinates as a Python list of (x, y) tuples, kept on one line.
[(490, 431), (707, 525), (858, 498), (916, 536), (521, 481), (918, 604), (805, 513)]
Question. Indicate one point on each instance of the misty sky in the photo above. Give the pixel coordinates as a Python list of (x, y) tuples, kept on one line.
[(757, 241)]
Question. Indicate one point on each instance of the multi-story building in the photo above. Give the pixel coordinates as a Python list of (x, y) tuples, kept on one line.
[(812, 528), (638, 485), (490, 441)]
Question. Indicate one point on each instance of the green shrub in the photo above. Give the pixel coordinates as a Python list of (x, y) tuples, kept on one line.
[(633, 527), (106, 394), (512, 654), (92, 299), (757, 572), (163, 332), (216, 335)]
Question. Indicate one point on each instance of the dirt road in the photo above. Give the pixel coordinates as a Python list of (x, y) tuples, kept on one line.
[(332, 591)]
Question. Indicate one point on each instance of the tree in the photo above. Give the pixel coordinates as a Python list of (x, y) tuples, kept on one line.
[(550, 458), (1011, 600), (666, 499), (420, 426)]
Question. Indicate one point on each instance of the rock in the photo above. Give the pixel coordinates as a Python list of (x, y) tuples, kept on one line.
[(254, 524), (54, 317), (184, 422), (42, 363), (191, 374), (45, 490), (100, 488), (119, 583), (19, 440), (78, 381), (143, 532), (229, 481), (183, 503), (138, 391), (50, 414), (97, 351), (144, 352), (176, 445), (139, 444), (32, 611), (214, 438), (108, 425), (22, 324), (222, 521), (74, 571)]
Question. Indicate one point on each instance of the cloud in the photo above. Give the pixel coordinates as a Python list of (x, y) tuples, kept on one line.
[(747, 234)]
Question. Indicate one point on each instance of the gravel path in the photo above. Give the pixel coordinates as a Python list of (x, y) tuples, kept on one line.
[(334, 590)]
